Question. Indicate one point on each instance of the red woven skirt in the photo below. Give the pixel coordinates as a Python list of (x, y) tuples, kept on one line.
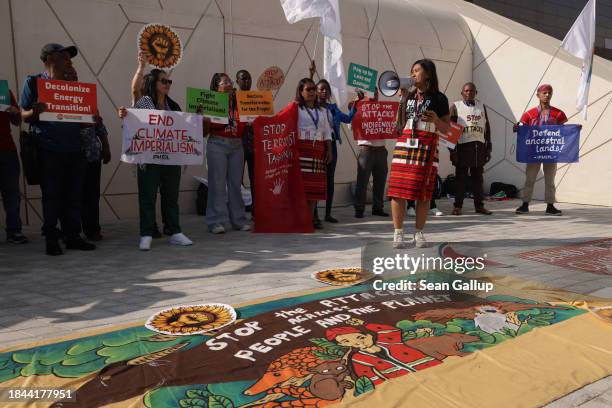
[(414, 170), (313, 166)]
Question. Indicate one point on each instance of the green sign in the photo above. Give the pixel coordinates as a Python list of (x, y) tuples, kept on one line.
[(215, 105), (362, 77), (5, 96)]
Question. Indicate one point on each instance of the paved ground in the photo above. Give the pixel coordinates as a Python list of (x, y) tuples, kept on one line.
[(46, 297)]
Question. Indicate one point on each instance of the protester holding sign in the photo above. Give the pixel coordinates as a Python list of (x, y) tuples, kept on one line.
[(244, 81), (151, 177), (334, 117), (415, 158), (473, 149), (543, 114), (9, 170), (61, 161), (314, 144), (225, 158)]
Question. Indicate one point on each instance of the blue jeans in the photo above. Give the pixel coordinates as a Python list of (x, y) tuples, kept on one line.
[(9, 187), (225, 158)]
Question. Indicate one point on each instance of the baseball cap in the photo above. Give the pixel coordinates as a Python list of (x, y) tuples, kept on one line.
[(52, 47)]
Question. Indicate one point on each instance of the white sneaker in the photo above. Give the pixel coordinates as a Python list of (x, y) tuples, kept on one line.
[(435, 212), (145, 243), (180, 239), (245, 227), (218, 229), (411, 212), (419, 240), (398, 240)]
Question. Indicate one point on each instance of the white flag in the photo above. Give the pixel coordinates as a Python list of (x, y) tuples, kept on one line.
[(580, 42), (329, 12)]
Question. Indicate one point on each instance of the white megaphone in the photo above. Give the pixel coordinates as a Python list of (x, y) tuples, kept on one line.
[(389, 83)]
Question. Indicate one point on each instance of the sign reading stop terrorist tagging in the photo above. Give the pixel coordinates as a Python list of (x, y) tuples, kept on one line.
[(548, 144), (252, 104), (67, 101), (162, 137), (362, 77), (215, 105), (375, 120)]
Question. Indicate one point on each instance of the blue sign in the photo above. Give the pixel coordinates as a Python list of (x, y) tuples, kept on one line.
[(548, 144)]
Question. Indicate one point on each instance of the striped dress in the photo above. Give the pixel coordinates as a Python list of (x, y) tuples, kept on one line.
[(314, 130), (414, 168)]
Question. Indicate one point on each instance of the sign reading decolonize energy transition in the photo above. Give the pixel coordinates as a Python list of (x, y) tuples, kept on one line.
[(362, 77), (67, 101), (375, 120), (252, 104), (214, 105), (548, 144), (162, 137)]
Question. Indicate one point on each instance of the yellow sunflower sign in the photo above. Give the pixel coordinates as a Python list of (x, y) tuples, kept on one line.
[(161, 45), (192, 319), (342, 276)]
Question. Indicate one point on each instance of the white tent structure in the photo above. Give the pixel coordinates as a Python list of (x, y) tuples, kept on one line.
[(506, 61)]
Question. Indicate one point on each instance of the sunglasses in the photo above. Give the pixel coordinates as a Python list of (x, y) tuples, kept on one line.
[(310, 89), (166, 81)]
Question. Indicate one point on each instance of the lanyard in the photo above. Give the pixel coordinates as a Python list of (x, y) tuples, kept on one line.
[(419, 108), (315, 118)]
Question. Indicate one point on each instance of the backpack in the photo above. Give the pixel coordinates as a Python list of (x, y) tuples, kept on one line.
[(29, 146), (510, 190), (438, 189)]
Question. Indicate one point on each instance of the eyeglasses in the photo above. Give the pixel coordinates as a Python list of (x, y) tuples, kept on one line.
[(310, 89), (166, 81)]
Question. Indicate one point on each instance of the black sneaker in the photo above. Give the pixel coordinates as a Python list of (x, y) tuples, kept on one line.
[(156, 234), (317, 224), (380, 213), (551, 210), (95, 237), (81, 244), (331, 219), (358, 213), (17, 238), (54, 248), (523, 209)]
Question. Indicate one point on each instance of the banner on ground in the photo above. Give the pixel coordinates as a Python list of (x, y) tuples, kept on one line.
[(252, 104), (548, 144), (5, 95), (162, 137), (67, 101), (375, 120), (279, 191), (362, 77), (215, 105), (451, 137)]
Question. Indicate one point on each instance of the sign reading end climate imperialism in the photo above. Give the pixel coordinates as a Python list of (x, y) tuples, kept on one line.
[(375, 120), (362, 77), (252, 104), (162, 137), (548, 144), (214, 105), (67, 101), (5, 95)]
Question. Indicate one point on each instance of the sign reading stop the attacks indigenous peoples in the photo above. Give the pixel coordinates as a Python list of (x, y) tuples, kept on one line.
[(362, 77), (5, 95), (214, 105), (67, 101), (252, 104), (375, 120), (162, 137)]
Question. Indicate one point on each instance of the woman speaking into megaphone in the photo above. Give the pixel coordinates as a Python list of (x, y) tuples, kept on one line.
[(423, 111)]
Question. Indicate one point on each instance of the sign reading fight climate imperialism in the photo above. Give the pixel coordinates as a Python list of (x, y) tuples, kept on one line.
[(548, 144), (375, 120), (214, 105), (67, 101), (279, 191), (162, 137), (252, 104)]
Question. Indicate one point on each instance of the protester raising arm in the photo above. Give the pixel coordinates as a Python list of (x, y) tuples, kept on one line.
[(137, 80)]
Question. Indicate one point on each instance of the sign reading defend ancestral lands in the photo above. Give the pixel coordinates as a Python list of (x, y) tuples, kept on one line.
[(322, 349), (252, 104), (375, 120), (214, 105), (279, 191), (162, 137), (548, 144), (67, 101)]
